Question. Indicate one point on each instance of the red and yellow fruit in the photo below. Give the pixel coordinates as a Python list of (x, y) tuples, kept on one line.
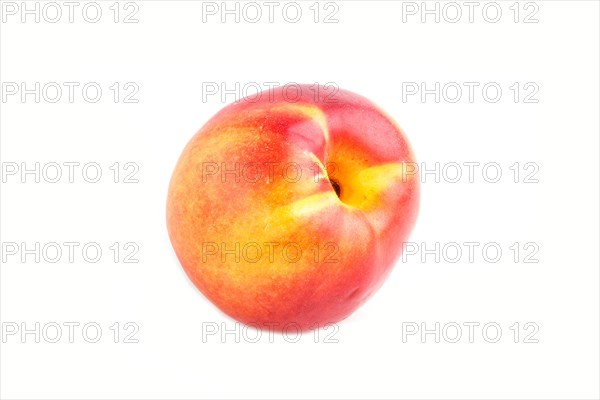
[(255, 218)]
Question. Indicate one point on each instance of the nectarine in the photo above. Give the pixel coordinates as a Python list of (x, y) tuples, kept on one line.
[(293, 211)]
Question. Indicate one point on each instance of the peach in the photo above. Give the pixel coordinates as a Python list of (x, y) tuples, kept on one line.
[(289, 210)]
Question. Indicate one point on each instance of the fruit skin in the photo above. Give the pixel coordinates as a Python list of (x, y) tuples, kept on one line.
[(348, 245)]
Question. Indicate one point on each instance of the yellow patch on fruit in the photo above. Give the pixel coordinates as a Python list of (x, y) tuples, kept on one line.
[(312, 204), (364, 189)]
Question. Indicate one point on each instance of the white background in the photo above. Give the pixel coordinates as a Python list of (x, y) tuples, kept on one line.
[(169, 54)]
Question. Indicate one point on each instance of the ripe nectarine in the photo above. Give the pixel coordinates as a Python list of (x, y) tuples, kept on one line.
[(293, 211)]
